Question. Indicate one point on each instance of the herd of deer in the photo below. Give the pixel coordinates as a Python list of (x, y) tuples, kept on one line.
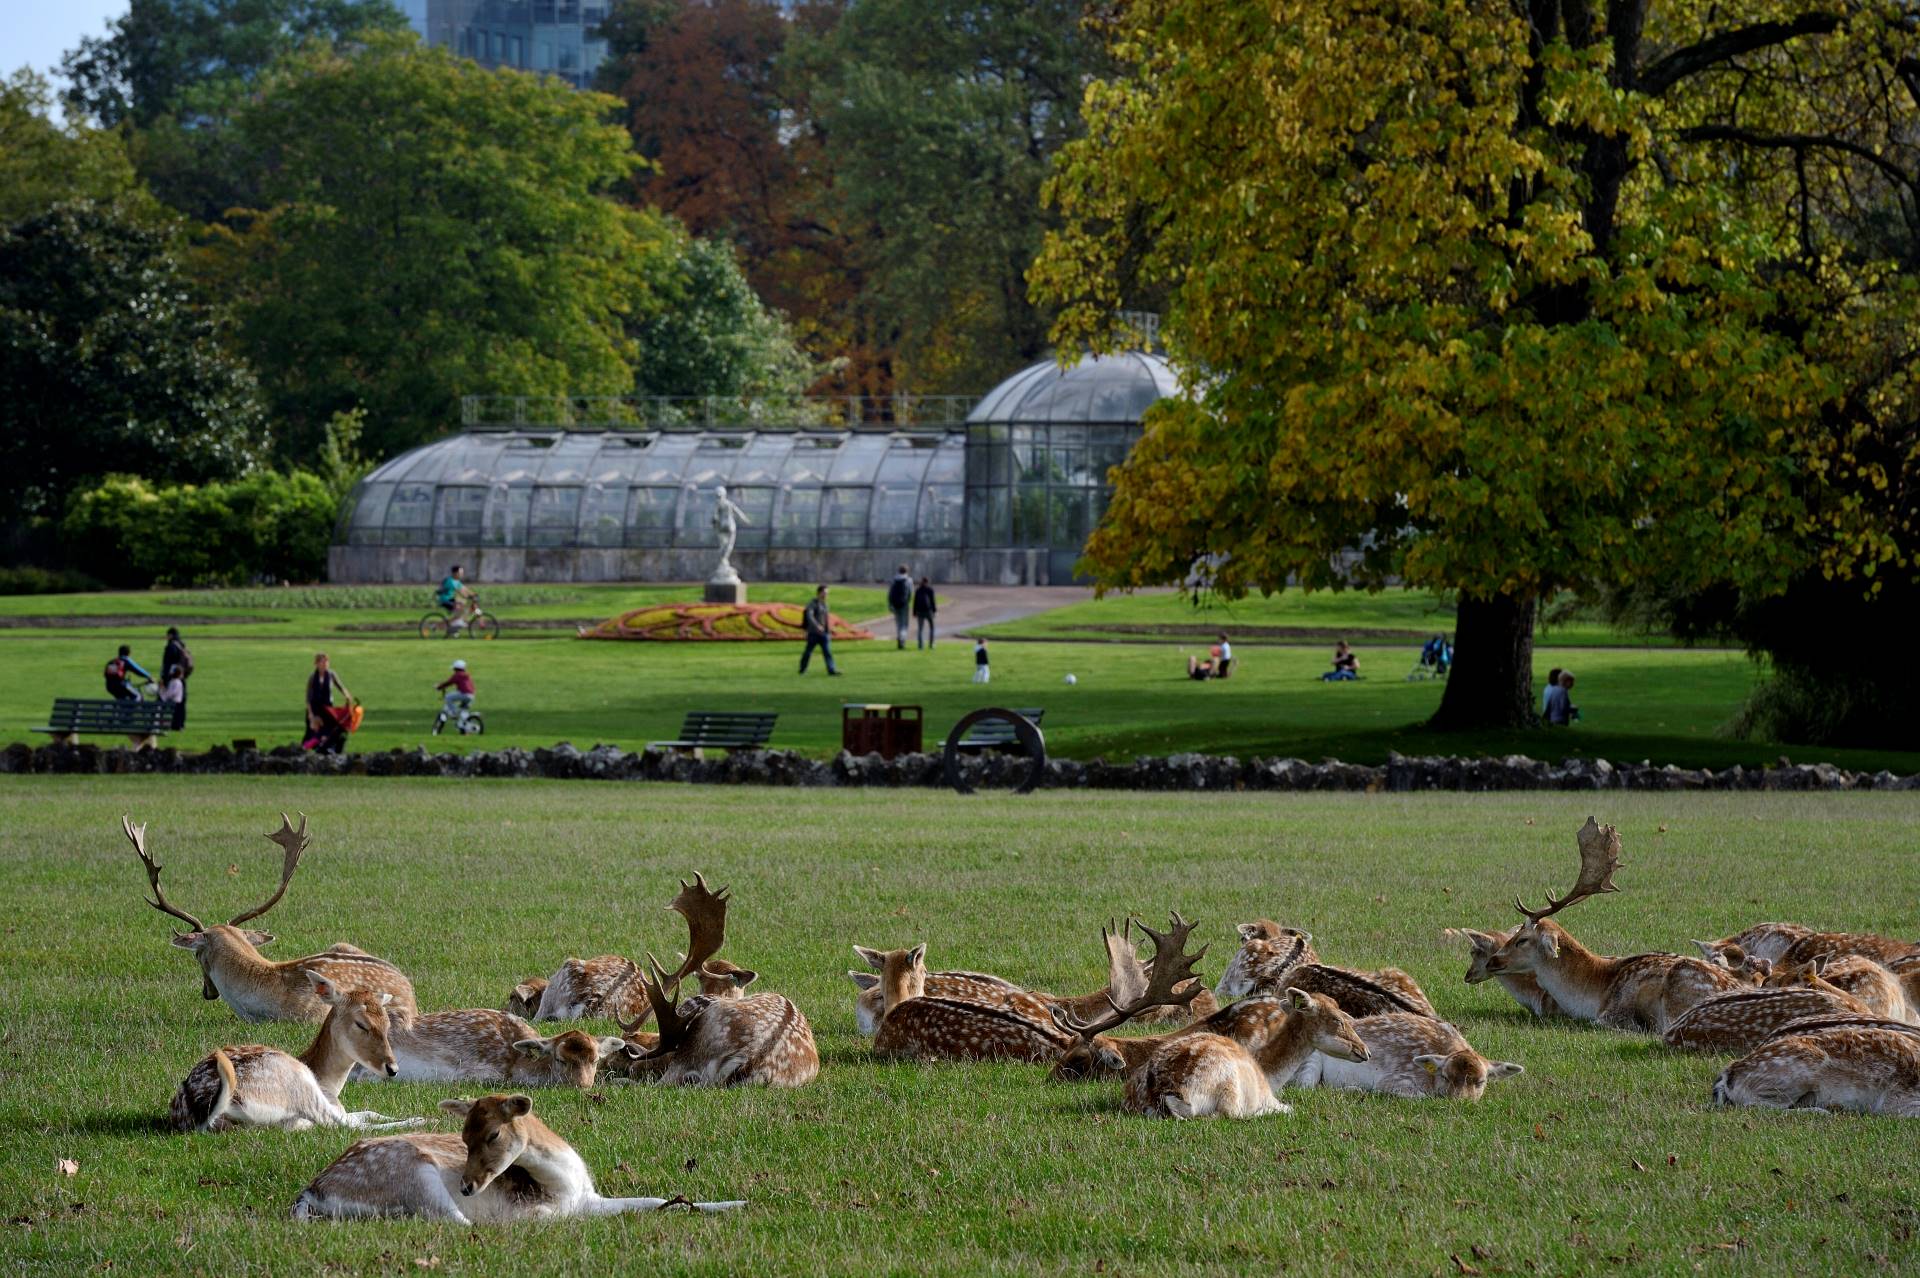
[(1825, 1020)]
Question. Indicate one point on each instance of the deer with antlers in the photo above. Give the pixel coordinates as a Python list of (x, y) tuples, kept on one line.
[(505, 1165), (255, 1086), (1641, 992), (256, 988), (1525, 990), (987, 1023), (1272, 959), (1412, 1056), (1830, 1062), (608, 985)]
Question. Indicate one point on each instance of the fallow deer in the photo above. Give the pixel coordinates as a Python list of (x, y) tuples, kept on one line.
[(506, 1165), (1876, 986), (524, 1002), (869, 1003), (1202, 1005), (1641, 992), (255, 987), (1202, 1074), (1874, 1069), (1411, 1056), (1272, 959), (1792, 943), (1769, 941), (989, 1024), (725, 1042), (1741, 1020), (1525, 990), (608, 986), (479, 1045), (255, 1086)]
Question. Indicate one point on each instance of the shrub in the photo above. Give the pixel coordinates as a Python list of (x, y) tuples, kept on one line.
[(45, 581), (264, 524)]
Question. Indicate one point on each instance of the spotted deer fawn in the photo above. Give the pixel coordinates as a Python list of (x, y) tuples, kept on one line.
[(506, 1165), (987, 1024), (1525, 990), (869, 1003), (1878, 987), (1741, 1020), (1829, 1063), (1201, 1074), (1641, 992), (255, 987), (608, 985), (1411, 1056), (1272, 959), (1792, 943), (479, 1045), (255, 1086)]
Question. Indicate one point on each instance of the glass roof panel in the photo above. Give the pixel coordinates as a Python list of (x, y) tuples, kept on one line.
[(1100, 388), (568, 459), (859, 458)]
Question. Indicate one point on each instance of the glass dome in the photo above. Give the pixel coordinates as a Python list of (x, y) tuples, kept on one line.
[(1100, 389)]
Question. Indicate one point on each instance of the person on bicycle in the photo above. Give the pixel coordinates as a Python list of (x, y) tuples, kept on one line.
[(453, 596), (459, 689), (117, 672)]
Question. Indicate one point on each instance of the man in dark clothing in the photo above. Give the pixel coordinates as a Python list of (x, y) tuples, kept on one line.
[(819, 624), (116, 674), (177, 654), (924, 607), (900, 599)]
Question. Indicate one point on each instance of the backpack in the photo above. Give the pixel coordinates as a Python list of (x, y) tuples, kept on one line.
[(186, 662), (899, 595), (117, 669)]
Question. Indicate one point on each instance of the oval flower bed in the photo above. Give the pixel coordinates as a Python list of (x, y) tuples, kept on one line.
[(715, 621)]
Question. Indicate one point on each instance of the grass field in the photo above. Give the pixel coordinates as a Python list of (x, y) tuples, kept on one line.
[(1603, 1157), (540, 687)]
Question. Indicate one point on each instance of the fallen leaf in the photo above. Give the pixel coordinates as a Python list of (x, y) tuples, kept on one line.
[(1480, 1253), (1663, 829), (621, 1166), (1672, 1161), (690, 1164), (1461, 1265), (1529, 820), (233, 869), (1637, 1164), (426, 1262), (1539, 1132), (67, 1167)]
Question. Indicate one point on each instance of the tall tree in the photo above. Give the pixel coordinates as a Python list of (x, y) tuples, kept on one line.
[(702, 330), (437, 229), (1470, 296), (43, 163)]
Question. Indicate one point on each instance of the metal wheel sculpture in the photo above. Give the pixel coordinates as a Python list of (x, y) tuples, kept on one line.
[(1025, 731)]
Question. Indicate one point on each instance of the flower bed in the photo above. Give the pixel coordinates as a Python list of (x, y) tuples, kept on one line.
[(703, 621)]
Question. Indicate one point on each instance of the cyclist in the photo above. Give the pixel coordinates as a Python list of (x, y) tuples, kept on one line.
[(117, 671), (460, 699), (453, 596)]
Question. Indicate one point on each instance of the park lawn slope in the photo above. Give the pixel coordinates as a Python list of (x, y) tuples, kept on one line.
[(1604, 1156)]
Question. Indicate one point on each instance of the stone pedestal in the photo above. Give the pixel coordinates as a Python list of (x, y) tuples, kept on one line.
[(725, 587)]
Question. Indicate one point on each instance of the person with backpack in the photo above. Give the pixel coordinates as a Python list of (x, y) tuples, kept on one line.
[(178, 656), (900, 599), (117, 671)]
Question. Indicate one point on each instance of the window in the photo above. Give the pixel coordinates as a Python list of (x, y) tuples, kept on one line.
[(940, 513), (756, 529), (554, 517), (602, 509), (650, 516), (843, 518), (456, 516), (410, 515), (797, 517), (505, 521)]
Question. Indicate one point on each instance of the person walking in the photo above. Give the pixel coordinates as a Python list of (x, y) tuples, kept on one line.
[(324, 730), (178, 655), (982, 672), (900, 599), (924, 607), (116, 673), (819, 624)]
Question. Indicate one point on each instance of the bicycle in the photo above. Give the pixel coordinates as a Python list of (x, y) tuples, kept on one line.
[(481, 624), (469, 724)]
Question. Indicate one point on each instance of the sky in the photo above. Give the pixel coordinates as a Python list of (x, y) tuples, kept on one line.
[(37, 33)]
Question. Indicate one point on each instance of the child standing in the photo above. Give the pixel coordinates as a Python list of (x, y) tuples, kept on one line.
[(981, 672)]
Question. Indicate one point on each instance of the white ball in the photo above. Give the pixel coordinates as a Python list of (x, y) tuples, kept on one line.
[(1072, 679)]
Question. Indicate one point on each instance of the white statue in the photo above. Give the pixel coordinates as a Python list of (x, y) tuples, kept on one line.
[(727, 519)]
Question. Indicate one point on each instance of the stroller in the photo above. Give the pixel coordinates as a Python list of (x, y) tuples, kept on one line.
[(331, 737), (1436, 657)]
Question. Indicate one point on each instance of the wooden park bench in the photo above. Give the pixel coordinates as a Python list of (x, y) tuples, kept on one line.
[(141, 722), (720, 730), (997, 734)]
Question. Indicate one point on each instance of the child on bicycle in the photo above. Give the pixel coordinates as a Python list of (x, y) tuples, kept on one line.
[(453, 596), (460, 699)]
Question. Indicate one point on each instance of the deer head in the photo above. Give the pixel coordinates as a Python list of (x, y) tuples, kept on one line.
[(1131, 991), (496, 1132), (359, 1024), (667, 1014), (1267, 953), (1331, 1029), (903, 973), (1464, 1075), (575, 1052), (1485, 945), (203, 938), (1537, 939)]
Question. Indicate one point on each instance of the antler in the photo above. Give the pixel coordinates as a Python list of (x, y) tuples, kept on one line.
[(705, 911), (665, 1011), (1599, 858), (138, 835), (1126, 974), (1172, 966), (293, 842)]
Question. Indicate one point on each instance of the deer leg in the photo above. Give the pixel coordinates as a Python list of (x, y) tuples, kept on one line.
[(436, 1203), (368, 1120)]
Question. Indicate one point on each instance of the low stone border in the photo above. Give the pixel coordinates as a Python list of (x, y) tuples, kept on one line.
[(1191, 772)]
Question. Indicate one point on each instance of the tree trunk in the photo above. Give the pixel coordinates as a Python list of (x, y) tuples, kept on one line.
[(1491, 683)]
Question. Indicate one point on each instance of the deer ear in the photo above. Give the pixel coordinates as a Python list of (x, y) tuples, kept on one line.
[(1248, 931), (189, 940), (1733, 956), (1431, 1064), (743, 977), (917, 956), (1549, 946), (1504, 1069), (534, 1047), (385, 998), (1110, 1059), (258, 939), (459, 1107), (865, 980), (1708, 950), (323, 989), (1299, 999), (612, 1047), (518, 1105), (872, 958)]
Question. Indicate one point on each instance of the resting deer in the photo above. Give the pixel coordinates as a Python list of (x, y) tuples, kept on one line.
[(1792, 943), (1202, 1074), (725, 1042), (1411, 1056), (479, 1045), (1272, 959), (1525, 990), (506, 1165), (1743, 1019), (1870, 1067), (1644, 992), (1877, 987), (990, 1024), (255, 987), (870, 1004), (255, 1086), (524, 1002), (607, 986)]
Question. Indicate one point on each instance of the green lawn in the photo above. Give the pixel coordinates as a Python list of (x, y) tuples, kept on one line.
[(1604, 1156), (537, 688)]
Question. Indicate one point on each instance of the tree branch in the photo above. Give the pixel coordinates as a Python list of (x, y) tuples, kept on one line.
[(1799, 142), (1663, 73)]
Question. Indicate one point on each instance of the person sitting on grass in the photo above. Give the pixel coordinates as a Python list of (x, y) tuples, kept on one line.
[(1546, 694), (117, 671), (325, 732), (1215, 666), (1346, 665)]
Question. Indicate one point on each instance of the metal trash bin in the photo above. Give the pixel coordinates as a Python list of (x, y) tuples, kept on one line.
[(886, 730)]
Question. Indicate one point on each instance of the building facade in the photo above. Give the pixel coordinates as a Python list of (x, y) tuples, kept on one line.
[(1002, 490), (550, 37)]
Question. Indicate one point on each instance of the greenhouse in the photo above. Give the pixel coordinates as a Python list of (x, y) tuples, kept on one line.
[(533, 490)]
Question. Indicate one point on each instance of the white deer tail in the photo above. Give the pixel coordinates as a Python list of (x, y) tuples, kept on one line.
[(229, 1094)]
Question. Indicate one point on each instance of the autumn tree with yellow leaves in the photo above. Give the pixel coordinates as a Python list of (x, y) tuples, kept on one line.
[(1504, 298)]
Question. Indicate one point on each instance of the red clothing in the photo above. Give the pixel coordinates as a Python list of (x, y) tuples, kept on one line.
[(460, 679)]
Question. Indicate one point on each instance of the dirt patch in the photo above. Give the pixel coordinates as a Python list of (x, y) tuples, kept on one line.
[(130, 621)]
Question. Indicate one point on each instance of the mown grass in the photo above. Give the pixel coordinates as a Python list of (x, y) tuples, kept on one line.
[(1603, 1157)]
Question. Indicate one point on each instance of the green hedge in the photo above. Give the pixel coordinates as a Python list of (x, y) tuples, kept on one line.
[(265, 525)]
